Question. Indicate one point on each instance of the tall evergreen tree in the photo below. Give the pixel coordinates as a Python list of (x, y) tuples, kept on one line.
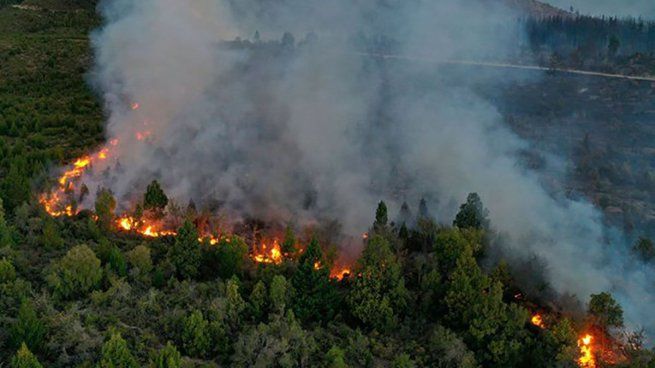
[(116, 354), (6, 239), (315, 298), (16, 186), (472, 214), (25, 359), (378, 295), (154, 197), (105, 206), (28, 328), (185, 254), (381, 216), (168, 357)]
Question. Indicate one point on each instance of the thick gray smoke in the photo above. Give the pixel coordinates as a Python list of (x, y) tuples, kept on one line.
[(320, 131)]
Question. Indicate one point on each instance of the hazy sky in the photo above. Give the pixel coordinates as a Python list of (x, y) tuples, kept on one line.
[(635, 8)]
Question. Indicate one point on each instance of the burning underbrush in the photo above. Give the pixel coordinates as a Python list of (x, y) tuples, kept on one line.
[(595, 345), (592, 343), (157, 220)]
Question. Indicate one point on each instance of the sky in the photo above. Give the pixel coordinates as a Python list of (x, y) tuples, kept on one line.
[(634, 8)]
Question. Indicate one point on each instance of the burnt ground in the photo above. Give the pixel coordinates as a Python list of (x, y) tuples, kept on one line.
[(603, 128)]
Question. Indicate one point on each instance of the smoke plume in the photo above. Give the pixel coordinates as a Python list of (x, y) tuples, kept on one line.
[(317, 128)]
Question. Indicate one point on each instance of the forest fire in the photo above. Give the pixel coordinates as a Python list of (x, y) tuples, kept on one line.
[(56, 203), (587, 358)]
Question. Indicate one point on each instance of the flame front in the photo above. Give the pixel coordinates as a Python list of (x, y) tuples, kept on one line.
[(587, 359)]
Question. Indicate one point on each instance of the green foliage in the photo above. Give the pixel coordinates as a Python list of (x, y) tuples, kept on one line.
[(403, 361), (606, 311), (140, 261), (315, 298), (50, 237), (104, 207), (195, 338), (278, 293), (77, 273), (378, 295), (117, 262), (116, 354), (185, 255), (336, 358), (168, 357), (445, 349), (25, 359), (154, 197), (472, 214), (15, 188), (7, 271), (235, 305), (5, 231), (381, 217), (282, 341), (288, 246), (28, 328), (475, 307), (257, 301), (225, 259)]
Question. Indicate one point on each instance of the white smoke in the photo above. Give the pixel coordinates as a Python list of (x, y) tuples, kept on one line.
[(320, 131)]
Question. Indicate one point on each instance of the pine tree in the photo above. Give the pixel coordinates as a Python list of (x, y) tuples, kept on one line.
[(378, 295), (168, 357), (25, 359), (6, 239), (7, 271), (77, 273), (195, 338), (116, 354), (288, 246), (185, 254), (105, 206), (316, 298), (154, 197), (16, 185), (472, 214), (381, 217), (28, 328)]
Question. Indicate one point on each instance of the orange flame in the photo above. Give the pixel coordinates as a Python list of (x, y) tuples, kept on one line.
[(538, 321), (587, 358), (57, 202), (273, 256), (339, 273)]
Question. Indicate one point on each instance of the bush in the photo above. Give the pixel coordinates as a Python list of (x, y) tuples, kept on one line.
[(76, 274)]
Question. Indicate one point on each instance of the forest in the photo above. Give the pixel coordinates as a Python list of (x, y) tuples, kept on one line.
[(88, 290)]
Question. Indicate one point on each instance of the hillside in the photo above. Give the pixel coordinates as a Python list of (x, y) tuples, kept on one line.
[(537, 8), (170, 284)]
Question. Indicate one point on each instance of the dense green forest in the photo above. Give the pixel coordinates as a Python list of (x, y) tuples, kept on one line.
[(76, 292)]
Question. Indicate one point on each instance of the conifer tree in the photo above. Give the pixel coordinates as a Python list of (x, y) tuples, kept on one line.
[(116, 354), (25, 359)]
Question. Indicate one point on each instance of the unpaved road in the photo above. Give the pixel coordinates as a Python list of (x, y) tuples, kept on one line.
[(511, 66)]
